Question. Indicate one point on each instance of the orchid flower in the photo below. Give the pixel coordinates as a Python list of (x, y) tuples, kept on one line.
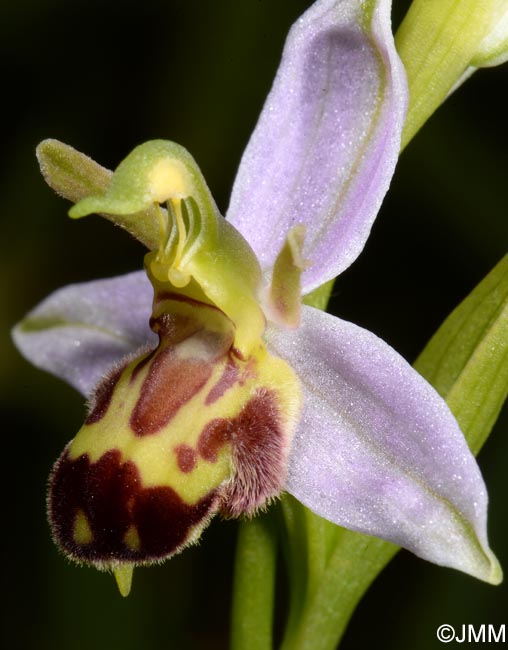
[(212, 388)]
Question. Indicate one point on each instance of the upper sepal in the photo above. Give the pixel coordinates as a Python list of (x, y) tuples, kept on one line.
[(327, 141)]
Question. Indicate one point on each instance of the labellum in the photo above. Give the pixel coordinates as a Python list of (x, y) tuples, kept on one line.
[(198, 425)]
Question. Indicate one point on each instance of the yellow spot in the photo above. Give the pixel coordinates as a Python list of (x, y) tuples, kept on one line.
[(123, 577), (132, 540), (169, 180), (82, 531)]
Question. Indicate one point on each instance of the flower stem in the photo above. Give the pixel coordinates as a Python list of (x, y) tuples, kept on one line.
[(254, 585), (354, 562)]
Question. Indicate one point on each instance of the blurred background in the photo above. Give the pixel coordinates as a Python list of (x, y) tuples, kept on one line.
[(106, 76)]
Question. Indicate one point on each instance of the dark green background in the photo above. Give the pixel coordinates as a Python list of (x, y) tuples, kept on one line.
[(105, 76)]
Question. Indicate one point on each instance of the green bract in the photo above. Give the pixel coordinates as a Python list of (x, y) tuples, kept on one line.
[(441, 42)]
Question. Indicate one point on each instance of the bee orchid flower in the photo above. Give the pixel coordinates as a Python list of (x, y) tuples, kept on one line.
[(212, 388)]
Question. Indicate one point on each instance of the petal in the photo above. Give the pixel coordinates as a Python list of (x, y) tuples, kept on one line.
[(79, 332), (378, 450), (326, 143)]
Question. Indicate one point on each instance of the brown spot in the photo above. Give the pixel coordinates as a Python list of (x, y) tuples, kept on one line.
[(169, 384), (141, 364), (174, 328), (214, 436), (227, 380), (119, 510), (237, 353), (101, 398), (186, 458), (259, 448)]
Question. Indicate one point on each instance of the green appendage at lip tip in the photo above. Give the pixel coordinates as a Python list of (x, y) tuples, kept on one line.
[(123, 578)]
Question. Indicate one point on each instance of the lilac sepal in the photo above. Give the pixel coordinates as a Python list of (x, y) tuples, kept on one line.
[(377, 449), (326, 144), (80, 331)]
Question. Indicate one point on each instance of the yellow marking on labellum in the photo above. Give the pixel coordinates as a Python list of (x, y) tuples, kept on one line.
[(131, 538), (82, 531), (154, 454), (123, 577)]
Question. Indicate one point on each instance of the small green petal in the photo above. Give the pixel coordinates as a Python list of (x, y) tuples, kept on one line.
[(285, 296), (69, 172), (320, 297)]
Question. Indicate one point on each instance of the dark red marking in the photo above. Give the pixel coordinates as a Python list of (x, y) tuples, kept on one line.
[(101, 399), (227, 380), (169, 384), (259, 449), (141, 364), (112, 497), (186, 458), (236, 352), (173, 328), (214, 436)]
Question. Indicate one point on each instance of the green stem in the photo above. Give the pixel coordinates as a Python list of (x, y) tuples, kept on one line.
[(355, 562), (254, 585)]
